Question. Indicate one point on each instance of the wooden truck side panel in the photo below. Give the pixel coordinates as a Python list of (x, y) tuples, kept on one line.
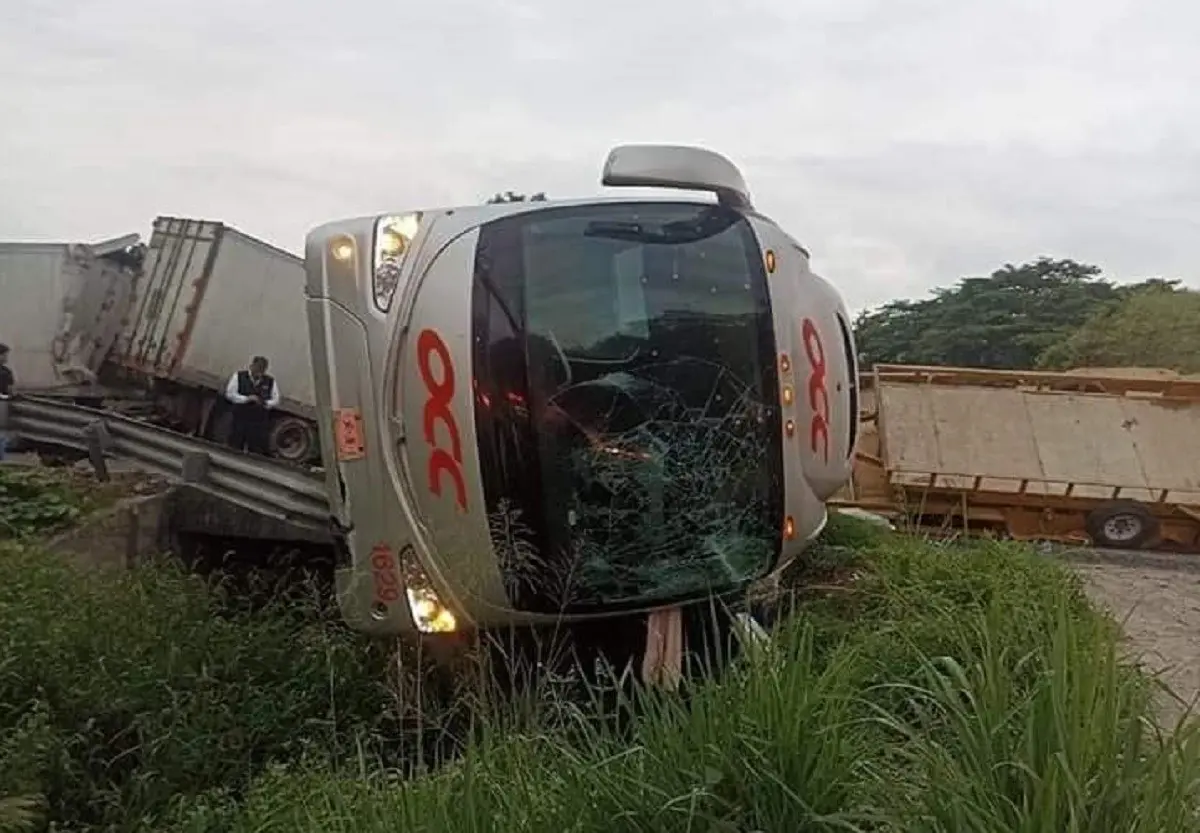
[(1031, 454)]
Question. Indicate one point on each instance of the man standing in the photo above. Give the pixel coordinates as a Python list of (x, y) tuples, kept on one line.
[(6, 391), (253, 394)]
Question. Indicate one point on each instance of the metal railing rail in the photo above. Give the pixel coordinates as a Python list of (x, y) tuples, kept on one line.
[(269, 487)]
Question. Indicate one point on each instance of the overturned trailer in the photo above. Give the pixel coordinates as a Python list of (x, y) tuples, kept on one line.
[(156, 330), (62, 310), (210, 297), (1108, 458)]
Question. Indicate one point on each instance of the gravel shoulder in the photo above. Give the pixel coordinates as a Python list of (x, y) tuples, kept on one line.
[(1156, 597)]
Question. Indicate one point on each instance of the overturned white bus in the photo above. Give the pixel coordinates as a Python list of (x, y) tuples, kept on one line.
[(564, 410)]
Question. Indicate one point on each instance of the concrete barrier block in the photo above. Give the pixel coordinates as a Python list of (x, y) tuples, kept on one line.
[(118, 537)]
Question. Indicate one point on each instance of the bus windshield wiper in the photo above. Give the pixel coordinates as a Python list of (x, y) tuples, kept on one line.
[(618, 230), (707, 223)]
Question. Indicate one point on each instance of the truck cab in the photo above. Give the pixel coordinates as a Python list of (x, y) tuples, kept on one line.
[(555, 411)]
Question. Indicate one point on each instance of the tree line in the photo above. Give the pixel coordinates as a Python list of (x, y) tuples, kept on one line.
[(1046, 314)]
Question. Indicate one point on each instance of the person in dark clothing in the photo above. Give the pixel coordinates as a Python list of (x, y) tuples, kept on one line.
[(254, 394), (7, 380)]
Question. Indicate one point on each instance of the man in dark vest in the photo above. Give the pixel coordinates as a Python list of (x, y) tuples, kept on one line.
[(253, 394)]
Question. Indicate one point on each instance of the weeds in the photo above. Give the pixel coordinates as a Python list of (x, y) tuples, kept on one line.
[(947, 687), (912, 686), (35, 501), (126, 693), (1065, 746)]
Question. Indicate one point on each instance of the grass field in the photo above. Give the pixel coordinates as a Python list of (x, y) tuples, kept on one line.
[(915, 686)]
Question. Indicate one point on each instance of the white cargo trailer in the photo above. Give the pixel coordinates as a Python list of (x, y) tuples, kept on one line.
[(210, 298), (61, 308)]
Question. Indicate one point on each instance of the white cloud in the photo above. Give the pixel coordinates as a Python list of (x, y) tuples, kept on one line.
[(905, 142)]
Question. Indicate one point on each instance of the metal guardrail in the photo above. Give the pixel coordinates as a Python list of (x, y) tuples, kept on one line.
[(269, 487)]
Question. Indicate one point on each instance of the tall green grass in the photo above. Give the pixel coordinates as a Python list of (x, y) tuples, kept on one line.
[(121, 696), (912, 686), (1060, 739), (949, 687)]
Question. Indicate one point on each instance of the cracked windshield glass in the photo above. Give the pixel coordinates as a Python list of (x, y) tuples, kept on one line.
[(626, 403)]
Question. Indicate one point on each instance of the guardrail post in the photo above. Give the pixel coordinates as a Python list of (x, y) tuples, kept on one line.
[(98, 441), (195, 466)]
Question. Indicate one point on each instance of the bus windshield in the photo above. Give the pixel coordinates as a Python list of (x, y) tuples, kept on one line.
[(626, 404)]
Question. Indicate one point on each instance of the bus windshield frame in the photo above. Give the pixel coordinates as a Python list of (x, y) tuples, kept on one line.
[(626, 398)]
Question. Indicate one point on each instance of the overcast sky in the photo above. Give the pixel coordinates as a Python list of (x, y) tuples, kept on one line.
[(906, 143)]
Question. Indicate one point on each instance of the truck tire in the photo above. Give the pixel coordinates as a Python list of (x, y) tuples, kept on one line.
[(293, 439), (1122, 524)]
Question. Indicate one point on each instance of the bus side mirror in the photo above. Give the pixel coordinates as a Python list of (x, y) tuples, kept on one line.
[(677, 166)]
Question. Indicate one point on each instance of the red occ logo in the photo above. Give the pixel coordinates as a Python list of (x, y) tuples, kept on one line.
[(443, 462), (818, 392)]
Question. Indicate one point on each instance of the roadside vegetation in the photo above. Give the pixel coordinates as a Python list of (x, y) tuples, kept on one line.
[(35, 501), (912, 686), (1048, 314)]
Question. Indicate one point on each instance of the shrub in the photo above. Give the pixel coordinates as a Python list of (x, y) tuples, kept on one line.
[(34, 501), (125, 692)]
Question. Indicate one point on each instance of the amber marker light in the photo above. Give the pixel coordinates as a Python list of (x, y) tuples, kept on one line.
[(789, 528), (790, 428), (769, 258)]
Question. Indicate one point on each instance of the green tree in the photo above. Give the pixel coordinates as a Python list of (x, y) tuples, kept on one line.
[(513, 196), (1157, 324), (1006, 320)]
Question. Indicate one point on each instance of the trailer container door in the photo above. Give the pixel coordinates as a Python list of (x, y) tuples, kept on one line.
[(176, 272)]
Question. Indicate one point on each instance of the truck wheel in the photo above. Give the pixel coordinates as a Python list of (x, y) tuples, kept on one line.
[(293, 439), (1122, 524)]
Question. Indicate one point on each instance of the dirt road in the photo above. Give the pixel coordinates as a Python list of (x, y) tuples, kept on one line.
[(1157, 597)]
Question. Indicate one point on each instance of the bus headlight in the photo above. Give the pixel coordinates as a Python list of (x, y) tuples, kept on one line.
[(393, 236), (428, 612)]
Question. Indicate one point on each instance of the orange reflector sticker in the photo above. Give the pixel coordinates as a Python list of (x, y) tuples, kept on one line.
[(348, 434)]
